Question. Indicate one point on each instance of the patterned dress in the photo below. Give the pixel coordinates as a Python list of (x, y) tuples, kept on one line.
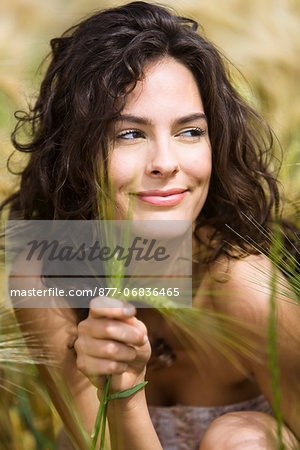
[(182, 427)]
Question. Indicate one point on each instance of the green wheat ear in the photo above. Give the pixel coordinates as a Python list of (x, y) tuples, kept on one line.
[(106, 213)]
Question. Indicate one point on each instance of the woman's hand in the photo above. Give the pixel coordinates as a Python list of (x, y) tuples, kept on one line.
[(112, 341)]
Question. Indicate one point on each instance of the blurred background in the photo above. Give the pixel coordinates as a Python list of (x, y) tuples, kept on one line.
[(261, 38)]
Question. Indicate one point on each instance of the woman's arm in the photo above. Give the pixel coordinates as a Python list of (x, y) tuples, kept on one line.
[(110, 340), (247, 298), (130, 424)]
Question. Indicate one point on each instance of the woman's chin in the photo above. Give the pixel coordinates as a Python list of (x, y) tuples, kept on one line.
[(161, 227)]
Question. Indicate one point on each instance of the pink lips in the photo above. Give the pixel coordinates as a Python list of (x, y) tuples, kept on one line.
[(169, 197)]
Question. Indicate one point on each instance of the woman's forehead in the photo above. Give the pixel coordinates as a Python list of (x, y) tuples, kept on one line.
[(167, 85)]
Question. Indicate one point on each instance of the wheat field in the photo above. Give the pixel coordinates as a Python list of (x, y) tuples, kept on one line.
[(262, 40)]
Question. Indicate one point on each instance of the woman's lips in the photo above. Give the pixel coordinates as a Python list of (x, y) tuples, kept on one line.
[(170, 197)]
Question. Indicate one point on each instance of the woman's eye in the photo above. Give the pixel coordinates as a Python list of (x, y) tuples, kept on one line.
[(192, 133), (130, 134)]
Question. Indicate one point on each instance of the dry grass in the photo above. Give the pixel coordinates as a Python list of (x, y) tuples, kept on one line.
[(260, 37)]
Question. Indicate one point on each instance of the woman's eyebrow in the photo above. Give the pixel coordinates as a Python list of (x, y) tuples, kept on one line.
[(146, 121), (191, 117), (134, 119)]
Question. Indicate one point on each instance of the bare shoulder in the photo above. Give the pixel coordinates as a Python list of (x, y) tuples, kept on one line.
[(250, 290), (243, 288)]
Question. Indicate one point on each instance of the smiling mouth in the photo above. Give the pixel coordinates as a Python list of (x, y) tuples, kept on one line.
[(169, 197)]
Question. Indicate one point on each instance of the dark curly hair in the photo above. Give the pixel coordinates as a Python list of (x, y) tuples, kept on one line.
[(93, 66)]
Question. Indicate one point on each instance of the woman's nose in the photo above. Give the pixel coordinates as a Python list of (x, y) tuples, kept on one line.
[(162, 162)]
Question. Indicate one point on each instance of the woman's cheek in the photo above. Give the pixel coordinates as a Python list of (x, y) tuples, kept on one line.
[(123, 168), (198, 168)]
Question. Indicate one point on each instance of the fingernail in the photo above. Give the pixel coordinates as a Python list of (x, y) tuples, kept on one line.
[(145, 339), (128, 310)]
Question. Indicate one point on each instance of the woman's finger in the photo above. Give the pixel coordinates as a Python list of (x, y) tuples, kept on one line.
[(111, 329), (105, 349), (111, 307), (91, 366)]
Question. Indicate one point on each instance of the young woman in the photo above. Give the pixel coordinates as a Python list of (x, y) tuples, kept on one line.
[(136, 95)]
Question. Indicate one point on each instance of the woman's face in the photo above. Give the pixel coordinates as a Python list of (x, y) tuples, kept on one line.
[(160, 160)]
